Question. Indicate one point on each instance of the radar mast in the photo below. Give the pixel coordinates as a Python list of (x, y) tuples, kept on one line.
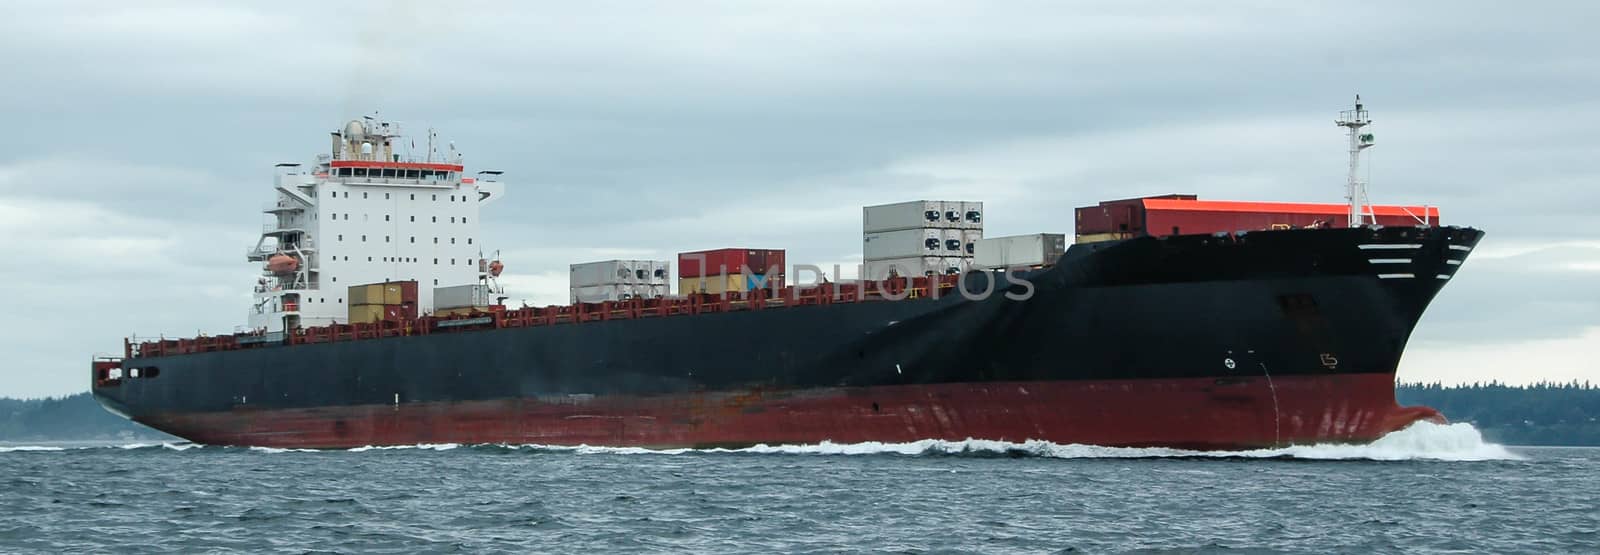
[(1355, 188)]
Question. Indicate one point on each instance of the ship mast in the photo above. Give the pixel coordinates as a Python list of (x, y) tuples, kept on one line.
[(1355, 188)]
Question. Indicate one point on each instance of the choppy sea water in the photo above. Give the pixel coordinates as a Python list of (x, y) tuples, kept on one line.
[(1427, 489)]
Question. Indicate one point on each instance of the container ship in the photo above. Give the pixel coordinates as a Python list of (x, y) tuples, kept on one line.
[(1167, 321)]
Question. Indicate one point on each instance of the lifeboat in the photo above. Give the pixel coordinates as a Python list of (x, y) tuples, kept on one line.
[(282, 264)]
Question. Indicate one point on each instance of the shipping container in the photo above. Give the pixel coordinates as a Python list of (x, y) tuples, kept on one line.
[(904, 243), (617, 271), (461, 296), (716, 285), (408, 291), (616, 292), (952, 242), (1038, 249), (365, 294), (969, 242), (972, 215), (367, 313), (730, 261), (952, 265), (1168, 215), (902, 215), (914, 266), (599, 273), (953, 211)]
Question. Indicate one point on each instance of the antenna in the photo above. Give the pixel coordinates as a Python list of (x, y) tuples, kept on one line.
[(1355, 188)]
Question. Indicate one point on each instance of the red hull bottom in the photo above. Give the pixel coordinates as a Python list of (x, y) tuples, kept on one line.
[(1206, 413)]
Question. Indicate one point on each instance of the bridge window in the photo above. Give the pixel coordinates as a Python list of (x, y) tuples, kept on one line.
[(411, 174), (360, 172), (427, 174), (388, 173), (344, 172)]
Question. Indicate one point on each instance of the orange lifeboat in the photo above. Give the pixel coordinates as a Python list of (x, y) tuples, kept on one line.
[(282, 264), (495, 268)]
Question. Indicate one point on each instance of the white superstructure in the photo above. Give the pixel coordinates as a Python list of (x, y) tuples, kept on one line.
[(365, 214)]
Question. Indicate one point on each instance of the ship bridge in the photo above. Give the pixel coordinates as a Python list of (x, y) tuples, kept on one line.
[(364, 213)]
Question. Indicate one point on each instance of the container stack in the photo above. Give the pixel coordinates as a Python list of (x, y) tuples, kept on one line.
[(394, 300), (618, 280), (721, 271), (921, 237), (461, 299), (1019, 251)]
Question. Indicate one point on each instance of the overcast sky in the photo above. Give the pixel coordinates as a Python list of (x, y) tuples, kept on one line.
[(137, 139)]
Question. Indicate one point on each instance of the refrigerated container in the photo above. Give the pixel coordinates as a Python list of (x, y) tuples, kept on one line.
[(953, 239), (913, 266), (972, 215), (902, 244), (952, 213), (902, 215), (1038, 249), (969, 242), (952, 265), (459, 296)]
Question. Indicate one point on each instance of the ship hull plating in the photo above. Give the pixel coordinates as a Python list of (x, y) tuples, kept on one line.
[(1194, 342)]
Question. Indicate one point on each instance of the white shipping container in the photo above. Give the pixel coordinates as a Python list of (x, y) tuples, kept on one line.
[(902, 244), (902, 215), (952, 243), (460, 296), (615, 292), (617, 271), (969, 242), (1037, 249), (972, 215), (660, 273), (950, 265), (951, 215), (915, 266), (599, 273)]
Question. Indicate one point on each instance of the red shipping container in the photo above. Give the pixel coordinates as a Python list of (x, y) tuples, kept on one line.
[(729, 261), (408, 292), (1185, 215)]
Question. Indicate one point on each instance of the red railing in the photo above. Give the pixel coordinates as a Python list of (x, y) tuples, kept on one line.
[(498, 317)]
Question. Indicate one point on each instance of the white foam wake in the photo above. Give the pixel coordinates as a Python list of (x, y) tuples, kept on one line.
[(1420, 441)]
